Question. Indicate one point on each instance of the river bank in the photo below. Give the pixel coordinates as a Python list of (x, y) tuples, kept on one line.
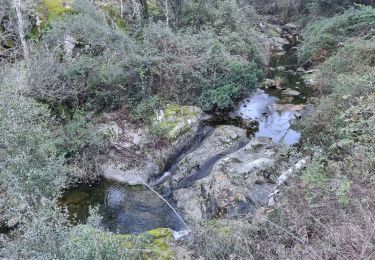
[(224, 168)]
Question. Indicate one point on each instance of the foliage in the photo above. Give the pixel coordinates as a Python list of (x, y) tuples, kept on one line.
[(230, 87), (31, 168), (146, 109), (322, 37), (108, 69), (80, 143)]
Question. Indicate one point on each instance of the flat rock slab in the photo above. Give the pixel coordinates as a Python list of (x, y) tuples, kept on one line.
[(290, 92)]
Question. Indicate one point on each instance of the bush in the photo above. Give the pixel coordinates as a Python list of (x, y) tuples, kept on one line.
[(31, 168), (356, 59), (108, 69), (80, 142), (322, 37), (146, 109), (223, 91)]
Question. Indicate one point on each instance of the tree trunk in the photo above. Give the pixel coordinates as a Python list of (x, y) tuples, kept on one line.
[(145, 14), (21, 29), (177, 10), (167, 12)]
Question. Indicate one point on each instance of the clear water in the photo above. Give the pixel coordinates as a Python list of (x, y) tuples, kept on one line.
[(272, 123), (273, 111), (124, 209)]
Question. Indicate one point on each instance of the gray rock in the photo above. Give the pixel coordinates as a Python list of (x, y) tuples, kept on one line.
[(290, 28), (233, 178), (269, 83), (221, 141), (260, 192), (137, 175), (290, 92)]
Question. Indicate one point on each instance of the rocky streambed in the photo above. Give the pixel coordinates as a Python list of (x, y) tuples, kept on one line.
[(214, 168)]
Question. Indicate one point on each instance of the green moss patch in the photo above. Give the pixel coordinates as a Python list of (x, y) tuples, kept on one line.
[(153, 244), (177, 121)]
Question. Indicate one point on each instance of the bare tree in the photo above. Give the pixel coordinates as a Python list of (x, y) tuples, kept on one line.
[(145, 14), (21, 28)]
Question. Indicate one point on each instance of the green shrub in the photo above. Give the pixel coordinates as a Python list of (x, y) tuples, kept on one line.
[(31, 168), (322, 37), (108, 69), (79, 141), (230, 87), (146, 109)]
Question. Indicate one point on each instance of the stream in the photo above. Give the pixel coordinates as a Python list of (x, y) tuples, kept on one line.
[(135, 209)]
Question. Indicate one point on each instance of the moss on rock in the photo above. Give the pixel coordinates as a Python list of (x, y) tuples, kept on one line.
[(177, 121), (153, 244)]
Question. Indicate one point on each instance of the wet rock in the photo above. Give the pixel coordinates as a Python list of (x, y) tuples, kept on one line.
[(288, 107), (221, 141), (269, 83), (290, 92), (280, 68), (130, 157), (226, 190)]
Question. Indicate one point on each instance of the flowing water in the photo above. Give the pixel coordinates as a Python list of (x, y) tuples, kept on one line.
[(127, 209)]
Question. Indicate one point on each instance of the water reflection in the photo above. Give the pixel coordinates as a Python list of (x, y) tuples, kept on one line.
[(123, 208), (273, 121)]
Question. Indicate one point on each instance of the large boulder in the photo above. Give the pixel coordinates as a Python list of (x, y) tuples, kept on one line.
[(236, 184), (178, 121), (131, 159), (290, 92), (222, 141)]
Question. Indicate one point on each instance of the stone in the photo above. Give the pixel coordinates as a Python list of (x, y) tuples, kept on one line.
[(179, 120), (269, 83), (223, 140), (288, 107), (128, 177), (290, 27), (290, 92), (260, 192), (226, 189)]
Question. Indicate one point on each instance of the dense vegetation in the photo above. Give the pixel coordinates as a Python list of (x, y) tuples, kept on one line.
[(62, 66)]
